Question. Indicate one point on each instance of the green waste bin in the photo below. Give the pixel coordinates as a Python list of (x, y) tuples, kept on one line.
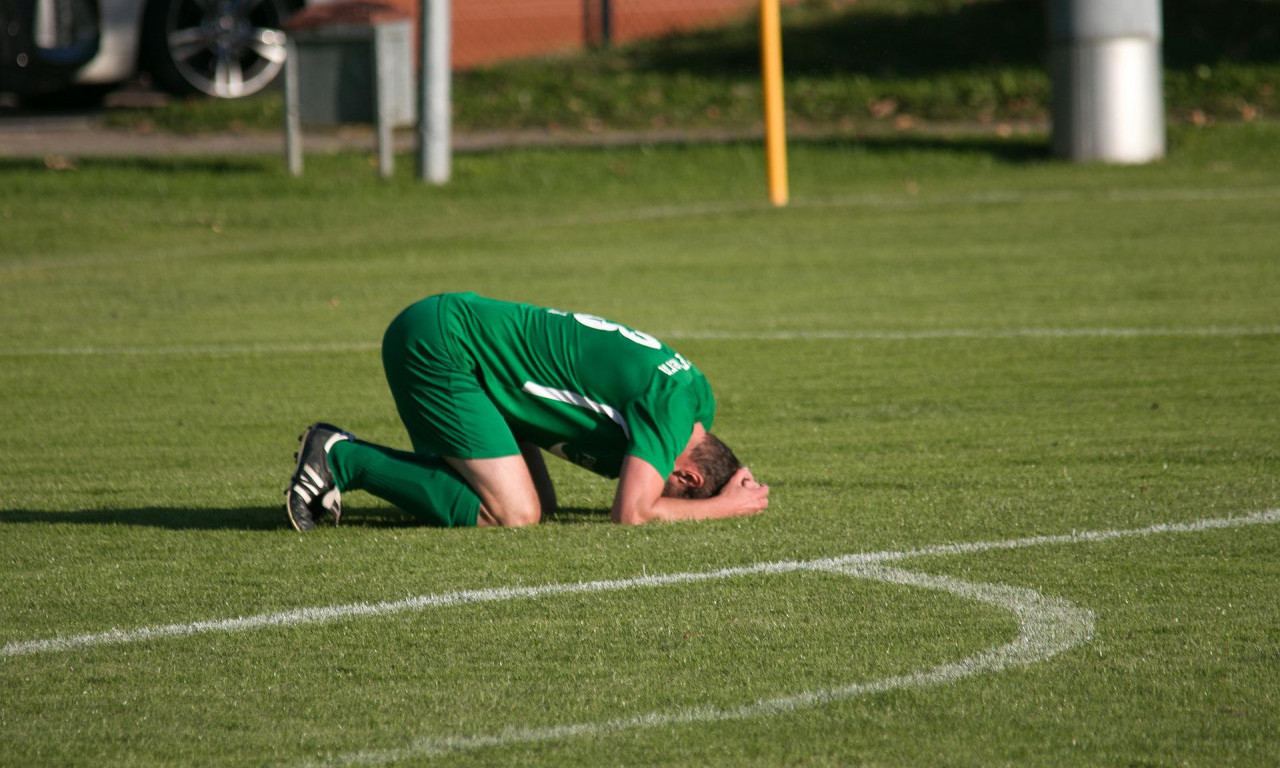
[(348, 62)]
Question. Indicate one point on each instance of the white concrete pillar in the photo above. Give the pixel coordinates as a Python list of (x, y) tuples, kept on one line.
[(1108, 88)]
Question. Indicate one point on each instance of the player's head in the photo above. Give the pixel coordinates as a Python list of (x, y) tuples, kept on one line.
[(712, 464)]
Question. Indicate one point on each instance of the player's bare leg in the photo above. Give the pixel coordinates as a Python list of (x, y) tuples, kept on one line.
[(507, 493)]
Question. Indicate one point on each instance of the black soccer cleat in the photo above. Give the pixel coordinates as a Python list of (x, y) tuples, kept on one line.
[(311, 491)]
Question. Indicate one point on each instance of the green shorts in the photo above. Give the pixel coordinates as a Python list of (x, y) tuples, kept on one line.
[(438, 396)]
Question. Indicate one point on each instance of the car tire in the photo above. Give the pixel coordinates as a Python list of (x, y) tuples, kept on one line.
[(223, 48)]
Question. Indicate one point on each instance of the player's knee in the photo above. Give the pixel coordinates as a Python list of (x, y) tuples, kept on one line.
[(515, 515), (526, 517)]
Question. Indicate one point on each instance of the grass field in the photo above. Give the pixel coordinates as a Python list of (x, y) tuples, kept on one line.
[(938, 343)]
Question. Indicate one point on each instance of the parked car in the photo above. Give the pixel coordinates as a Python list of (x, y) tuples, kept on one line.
[(40, 55), (222, 48)]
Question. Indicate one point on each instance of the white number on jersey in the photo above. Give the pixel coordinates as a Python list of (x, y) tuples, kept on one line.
[(600, 324)]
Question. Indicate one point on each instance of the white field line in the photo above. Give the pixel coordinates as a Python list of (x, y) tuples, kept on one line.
[(194, 350), (985, 334), (332, 613), (941, 334), (908, 202), (1046, 627), (713, 208)]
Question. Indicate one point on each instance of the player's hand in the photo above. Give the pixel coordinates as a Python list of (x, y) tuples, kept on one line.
[(745, 494)]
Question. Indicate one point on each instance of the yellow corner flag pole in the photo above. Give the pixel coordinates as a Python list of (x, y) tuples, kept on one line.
[(775, 122)]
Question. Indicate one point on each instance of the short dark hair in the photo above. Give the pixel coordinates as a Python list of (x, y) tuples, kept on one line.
[(717, 464)]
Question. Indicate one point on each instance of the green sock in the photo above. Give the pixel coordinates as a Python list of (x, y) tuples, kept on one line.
[(424, 486)]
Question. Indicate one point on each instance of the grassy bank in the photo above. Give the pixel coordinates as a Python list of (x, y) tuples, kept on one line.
[(847, 63)]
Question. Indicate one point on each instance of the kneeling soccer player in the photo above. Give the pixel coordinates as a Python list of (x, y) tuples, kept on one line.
[(482, 385)]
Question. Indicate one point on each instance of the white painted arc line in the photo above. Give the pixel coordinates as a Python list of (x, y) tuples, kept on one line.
[(941, 334), (328, 614), (1046, 627)]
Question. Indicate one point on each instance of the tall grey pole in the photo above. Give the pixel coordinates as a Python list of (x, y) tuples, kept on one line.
[(1108, 89), (292, 113), (434, 99)]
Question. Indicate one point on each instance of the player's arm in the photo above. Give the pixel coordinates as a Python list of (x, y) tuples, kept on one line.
[(532, 455), (639, 498)]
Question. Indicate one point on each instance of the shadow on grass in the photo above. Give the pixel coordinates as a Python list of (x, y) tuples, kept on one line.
[(578, 516), (246, 519), (1020, 149), (956, 141), (959, 141), (213, 165), (885, 44), (947, 37)]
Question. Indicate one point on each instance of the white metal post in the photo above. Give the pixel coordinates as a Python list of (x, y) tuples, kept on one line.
[(383, 107), (435, 99), (292, 120)]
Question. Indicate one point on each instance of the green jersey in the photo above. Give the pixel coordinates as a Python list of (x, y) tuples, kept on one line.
[(577, 385)]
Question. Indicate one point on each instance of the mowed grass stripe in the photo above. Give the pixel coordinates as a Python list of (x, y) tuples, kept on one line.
[(516, 224)]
